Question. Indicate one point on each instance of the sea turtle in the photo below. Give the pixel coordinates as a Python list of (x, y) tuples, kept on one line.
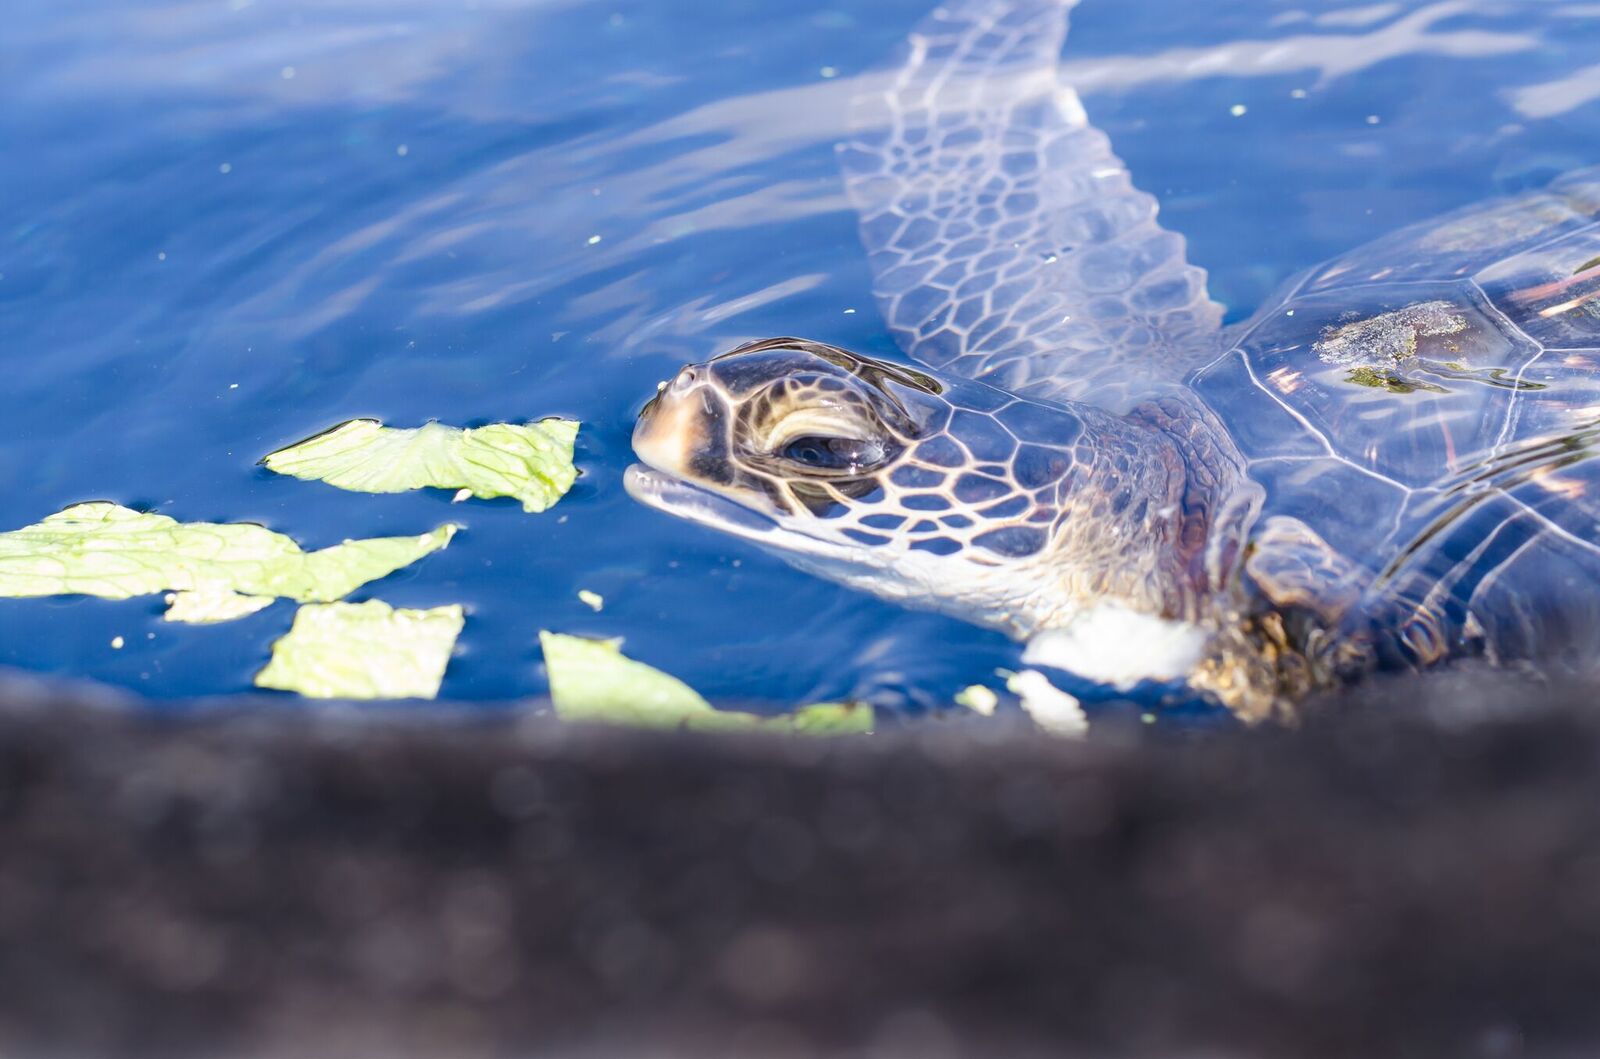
[(1389, 465)]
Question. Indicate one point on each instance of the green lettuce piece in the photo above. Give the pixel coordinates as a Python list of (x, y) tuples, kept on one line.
[(364, 651), (592, 681), (531, 462), (209, 605), (826, 718), (105, 550), (978, 699)]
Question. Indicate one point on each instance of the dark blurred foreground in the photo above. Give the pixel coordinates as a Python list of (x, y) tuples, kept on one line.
[(1416, 872)]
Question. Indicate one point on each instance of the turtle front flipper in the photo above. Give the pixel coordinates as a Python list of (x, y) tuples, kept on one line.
[(1293, 631), (1295, 569), (1006, 237)]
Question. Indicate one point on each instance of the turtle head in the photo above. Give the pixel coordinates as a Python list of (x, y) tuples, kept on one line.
[(940, 493)]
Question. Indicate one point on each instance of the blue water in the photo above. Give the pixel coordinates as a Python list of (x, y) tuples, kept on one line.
[(227, 225)]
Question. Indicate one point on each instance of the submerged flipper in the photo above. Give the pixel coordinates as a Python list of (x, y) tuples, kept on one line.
[(1006, 239)]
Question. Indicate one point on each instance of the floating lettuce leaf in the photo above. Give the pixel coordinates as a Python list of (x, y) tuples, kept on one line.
[(363, 651), (104, 550), (823, 718), (206, 606), (978, 699), (591, 680), (531, 462)]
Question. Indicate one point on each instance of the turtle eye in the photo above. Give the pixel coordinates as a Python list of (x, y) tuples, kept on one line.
[(821, 453)]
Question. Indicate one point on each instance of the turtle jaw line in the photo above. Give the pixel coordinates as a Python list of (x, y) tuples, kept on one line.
[(695, 503), (915, 579)]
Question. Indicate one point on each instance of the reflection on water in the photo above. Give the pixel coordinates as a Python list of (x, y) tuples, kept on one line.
[(1332, 44), (227, 226)]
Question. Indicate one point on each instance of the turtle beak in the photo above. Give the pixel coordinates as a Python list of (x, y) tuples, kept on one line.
[(682, 430)]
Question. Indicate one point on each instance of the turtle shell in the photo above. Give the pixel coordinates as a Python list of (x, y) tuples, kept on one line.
[(1430, 405)]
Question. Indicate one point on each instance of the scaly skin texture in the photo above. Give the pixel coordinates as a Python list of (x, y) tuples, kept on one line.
[(956, 496), (1007, 238)]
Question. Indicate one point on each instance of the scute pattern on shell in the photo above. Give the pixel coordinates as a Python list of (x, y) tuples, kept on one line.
[(1465, 488)]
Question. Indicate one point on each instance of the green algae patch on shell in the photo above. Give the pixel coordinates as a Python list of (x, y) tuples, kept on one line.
[(531, 462), (1390, 337), (364, 651), (592, 681), (106, 550), (1390, 381)]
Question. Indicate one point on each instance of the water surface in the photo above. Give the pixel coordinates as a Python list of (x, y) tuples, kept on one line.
[(226, 225)]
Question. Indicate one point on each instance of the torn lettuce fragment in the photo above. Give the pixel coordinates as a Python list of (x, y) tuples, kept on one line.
[(531, 462), (824, 718), (364, 651), (103, 549), (208, 605), (592, 681), (978, 699)]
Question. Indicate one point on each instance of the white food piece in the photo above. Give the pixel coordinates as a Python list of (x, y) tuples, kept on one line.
[(1051, 708), (1111, 644)]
